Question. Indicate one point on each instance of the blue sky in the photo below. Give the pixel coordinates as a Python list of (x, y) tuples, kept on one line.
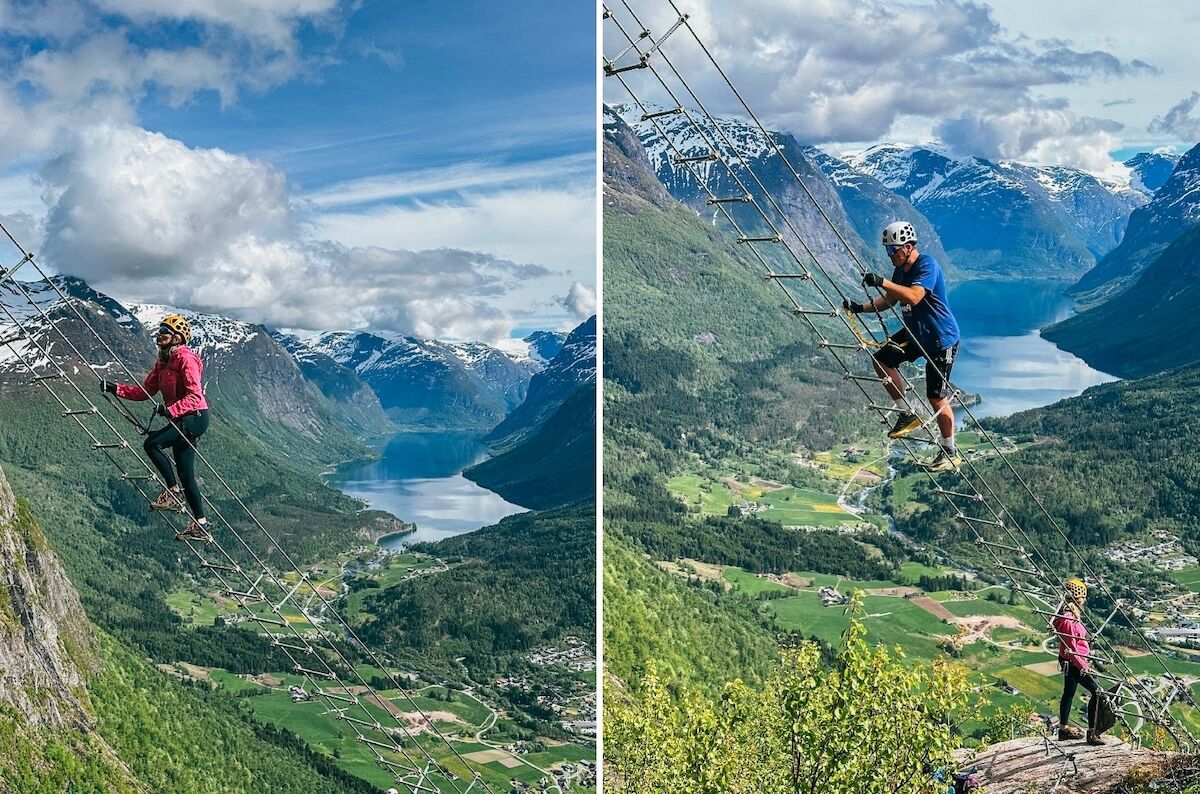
[(310, 163)]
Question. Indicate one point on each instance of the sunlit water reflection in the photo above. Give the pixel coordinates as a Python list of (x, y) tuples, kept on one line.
[(419, 479), (1003, 358)]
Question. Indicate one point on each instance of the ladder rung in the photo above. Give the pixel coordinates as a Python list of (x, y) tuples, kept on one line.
[(212, 566), (825, 313), (55, 376), (271, 621), (1035, 574), (297, 648), (990, 544), (801, 276), (305, 671), (611, 70), (659, 114), (7, 274), (82, 411), (699, 158), (254, 597), (121, 445), (133, 477), (389, 747), (839, 345), (978, 497), (985, 521), (731, 200), (351, 699), (375, 726), (890, 409), (775, 239)]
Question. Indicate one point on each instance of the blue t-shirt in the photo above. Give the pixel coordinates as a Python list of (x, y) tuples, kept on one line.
[(930, 321)]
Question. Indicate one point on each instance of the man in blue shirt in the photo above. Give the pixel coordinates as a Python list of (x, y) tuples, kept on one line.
[(929, 331)]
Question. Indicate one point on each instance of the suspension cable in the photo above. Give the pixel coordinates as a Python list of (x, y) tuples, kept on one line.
[(1021, 549), (254, 592)]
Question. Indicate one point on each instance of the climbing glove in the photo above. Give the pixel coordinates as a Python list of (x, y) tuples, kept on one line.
[(109, 386), (161, 410), (872, 280), (852, 307)]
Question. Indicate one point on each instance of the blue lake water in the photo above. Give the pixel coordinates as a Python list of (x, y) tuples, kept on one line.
[(1002, 357), (419, 479)]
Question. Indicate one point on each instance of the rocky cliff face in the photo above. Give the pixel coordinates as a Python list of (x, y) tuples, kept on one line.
[(46, 646)]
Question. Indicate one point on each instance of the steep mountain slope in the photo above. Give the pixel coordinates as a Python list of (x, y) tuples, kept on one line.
[(546, 448), (749, 145), (871, 206), (423, 383), (1142, 330), (80, 712), (572, 368), (1148, 171), (356, 404), (1006, 218), (1174, 209), (701, 358)]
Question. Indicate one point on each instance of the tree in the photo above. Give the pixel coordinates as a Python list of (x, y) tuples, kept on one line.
[(804, 731)]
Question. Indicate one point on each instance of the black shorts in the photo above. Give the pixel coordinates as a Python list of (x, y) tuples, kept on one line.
[(900, 348)]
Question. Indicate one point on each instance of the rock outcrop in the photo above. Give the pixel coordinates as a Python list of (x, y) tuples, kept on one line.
[(1024, 766), (46, 646)]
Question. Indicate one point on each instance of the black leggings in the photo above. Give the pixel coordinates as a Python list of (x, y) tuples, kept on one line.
[(193, 426), (1072, 679)]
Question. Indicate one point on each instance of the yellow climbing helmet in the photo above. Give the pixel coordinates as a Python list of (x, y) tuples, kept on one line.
[(178, 325), (1077, 590)]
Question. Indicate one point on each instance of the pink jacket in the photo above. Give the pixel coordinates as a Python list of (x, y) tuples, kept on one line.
[(178, 380), (1072, 640)]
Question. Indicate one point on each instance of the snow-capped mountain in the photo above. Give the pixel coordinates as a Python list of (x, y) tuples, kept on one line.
[(432, 383), (870, 205), (1174, 209), (248, 378), (341, 385), (1007, 218), (1148, 171), (747, 149), (546, 447), (570, 370)]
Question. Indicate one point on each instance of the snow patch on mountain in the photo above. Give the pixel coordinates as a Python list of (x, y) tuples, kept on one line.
[(211, 333)]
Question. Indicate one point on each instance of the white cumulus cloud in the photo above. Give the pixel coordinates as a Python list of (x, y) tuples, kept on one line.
[(143, 216)]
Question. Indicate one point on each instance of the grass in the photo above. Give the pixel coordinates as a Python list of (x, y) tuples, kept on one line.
[(790, 506), (194, 608), (752, 585), (890, 621), (912, 572), (1188, 577)]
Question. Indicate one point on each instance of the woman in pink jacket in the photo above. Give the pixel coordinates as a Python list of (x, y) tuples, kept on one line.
[(176, 375), (1073, 653)]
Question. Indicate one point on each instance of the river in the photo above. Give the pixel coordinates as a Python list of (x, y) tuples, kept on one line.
[(1003, 358), (419, 479)]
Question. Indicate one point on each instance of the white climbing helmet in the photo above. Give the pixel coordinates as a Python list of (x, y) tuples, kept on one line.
[(899, 233)]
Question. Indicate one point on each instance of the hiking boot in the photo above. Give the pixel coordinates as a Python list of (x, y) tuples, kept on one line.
[(943, 462), (905, 423), (1067, 733), (1094, 739), (167, 500), (195, 531)]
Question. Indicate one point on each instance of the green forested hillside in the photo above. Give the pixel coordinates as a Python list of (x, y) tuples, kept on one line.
[(554, 466), (123, 559), (528, 580), (1147, 328), (702, 358), (155, 735)]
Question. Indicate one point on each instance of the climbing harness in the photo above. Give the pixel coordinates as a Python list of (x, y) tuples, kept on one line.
[(396, 746), (977, 506)]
